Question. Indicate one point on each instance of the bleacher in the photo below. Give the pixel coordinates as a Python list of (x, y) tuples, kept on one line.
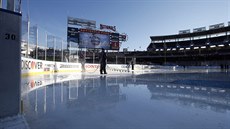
[(206, 42), (199, 42), (171, 45)]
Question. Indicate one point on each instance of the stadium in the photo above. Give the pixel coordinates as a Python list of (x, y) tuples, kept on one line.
[(200, 47), (180, 81)]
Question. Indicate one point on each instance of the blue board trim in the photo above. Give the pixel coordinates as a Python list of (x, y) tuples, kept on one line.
[(11, 12)]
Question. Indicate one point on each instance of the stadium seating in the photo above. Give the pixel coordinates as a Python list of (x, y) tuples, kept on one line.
[(207, 42)]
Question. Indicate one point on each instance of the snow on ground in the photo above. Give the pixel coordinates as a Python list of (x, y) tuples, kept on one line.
[(15, 122)]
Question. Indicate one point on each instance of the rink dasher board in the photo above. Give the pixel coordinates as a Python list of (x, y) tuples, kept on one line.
[(35, 67), (31, 67)]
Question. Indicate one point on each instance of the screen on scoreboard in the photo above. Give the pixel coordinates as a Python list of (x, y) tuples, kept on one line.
[(72, 34), (94, 40)]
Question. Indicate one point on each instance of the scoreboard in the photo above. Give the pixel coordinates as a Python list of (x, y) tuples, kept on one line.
[(89, 38), (84, 33), (114, 41)]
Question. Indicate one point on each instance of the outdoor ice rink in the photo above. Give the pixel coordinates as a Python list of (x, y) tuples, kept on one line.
[(181, 99)]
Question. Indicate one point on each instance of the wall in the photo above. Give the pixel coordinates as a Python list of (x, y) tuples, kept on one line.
[(34, 67), (10, 31)]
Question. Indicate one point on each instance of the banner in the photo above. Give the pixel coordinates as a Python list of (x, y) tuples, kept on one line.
[(184, 31), (199, 29), (113, 28), (216, 26), (81, 22), (94, 31)]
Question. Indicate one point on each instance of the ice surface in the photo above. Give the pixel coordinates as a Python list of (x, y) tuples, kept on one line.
[(173, 99), (15, 122)]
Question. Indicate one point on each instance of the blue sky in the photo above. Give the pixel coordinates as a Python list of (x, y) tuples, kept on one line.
[(140, 19)]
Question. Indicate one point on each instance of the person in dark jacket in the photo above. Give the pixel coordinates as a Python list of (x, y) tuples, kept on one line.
[(102, 60)]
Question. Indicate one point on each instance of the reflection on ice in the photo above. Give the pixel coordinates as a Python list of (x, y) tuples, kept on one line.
[(130, 101), (93, 93), (214, 98), (72, 93)]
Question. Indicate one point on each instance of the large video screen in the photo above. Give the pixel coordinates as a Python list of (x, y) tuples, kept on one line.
[(72, 34), (94, 40)]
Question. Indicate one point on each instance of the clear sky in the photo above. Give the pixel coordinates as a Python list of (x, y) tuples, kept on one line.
[(140, 19)]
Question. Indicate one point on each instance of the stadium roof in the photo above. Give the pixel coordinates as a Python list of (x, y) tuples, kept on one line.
[(177, 36)]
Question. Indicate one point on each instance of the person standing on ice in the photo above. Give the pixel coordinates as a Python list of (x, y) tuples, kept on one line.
[(102, 60)]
